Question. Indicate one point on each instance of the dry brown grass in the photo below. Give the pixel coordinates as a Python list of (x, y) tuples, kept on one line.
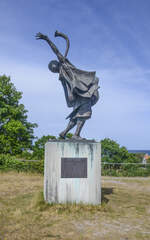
[(123, 215)]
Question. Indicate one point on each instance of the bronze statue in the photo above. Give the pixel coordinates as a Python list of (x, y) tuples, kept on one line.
[(80, 87)]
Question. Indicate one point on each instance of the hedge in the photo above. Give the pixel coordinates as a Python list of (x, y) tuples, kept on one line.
[(8, 162)]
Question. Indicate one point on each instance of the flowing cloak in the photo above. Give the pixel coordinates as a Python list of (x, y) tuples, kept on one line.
[(78, 84)]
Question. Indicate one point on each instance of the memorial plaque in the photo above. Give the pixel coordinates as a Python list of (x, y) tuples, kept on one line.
[(73, 167)]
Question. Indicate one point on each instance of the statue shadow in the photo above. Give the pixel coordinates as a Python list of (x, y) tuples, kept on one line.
[(105, 192)]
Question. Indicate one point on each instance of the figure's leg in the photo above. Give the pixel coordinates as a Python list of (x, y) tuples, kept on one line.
[(80, 123), (71, 124)]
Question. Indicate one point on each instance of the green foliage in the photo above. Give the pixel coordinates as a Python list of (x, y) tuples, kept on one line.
[(69, 135), (8, 162), (16, 133), (39, 146), (113, 153), (148, 160), (127, 170), (4, 158), (140, 156)]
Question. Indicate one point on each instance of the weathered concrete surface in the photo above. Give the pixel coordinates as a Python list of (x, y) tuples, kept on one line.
[(63, 190)]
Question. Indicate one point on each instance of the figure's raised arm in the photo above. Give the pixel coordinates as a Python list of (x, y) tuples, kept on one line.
[(51, 44)]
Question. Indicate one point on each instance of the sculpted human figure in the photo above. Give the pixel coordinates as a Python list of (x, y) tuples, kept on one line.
[(80, 87)]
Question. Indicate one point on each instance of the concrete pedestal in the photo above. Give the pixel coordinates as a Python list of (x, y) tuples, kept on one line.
[(72, 172)]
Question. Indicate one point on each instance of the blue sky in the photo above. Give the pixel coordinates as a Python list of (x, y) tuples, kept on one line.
[(111, 37)]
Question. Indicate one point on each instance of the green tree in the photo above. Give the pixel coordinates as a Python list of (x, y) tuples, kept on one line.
[(113, 153), (39, 146), (16, 133)]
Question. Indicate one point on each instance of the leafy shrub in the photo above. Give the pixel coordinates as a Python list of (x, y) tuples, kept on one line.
[(4, 158), (126, 170), (113, 153), (39, 145), (8, 162)]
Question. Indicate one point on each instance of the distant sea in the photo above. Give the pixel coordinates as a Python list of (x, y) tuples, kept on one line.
[(139, 151)]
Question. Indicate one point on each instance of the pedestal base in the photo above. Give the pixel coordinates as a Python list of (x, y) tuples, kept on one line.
[(72, 172)]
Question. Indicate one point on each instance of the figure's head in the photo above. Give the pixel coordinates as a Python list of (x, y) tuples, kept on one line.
[(54, 66)]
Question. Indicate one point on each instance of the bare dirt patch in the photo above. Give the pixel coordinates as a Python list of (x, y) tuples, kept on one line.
[(123, 215)]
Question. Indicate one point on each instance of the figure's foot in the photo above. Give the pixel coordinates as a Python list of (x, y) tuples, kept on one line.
[(62, 135), (75, 137)]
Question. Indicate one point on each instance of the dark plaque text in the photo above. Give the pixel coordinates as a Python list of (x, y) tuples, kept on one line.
[(73, 167)]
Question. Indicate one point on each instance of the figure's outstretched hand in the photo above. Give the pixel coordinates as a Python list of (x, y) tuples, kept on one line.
[(41, 36), (56, 33)]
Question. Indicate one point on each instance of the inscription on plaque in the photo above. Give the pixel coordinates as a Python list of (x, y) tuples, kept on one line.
[(73, 167)]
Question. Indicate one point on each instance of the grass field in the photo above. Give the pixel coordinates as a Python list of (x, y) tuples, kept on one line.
[(123, 215)]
